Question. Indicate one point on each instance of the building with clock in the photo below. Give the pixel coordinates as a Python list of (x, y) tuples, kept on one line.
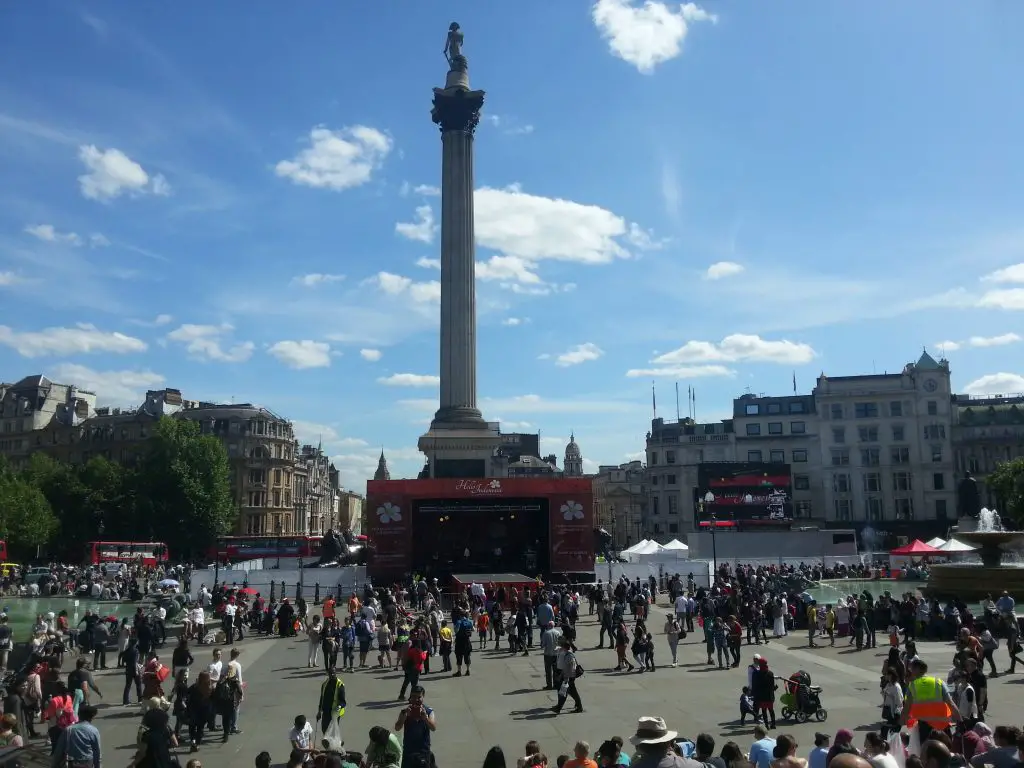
[(886, 448)]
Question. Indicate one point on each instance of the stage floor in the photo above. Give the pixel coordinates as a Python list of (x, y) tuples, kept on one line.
[(487, 578)]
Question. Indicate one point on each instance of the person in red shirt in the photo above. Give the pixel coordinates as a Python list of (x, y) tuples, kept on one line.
[(412, 666), (734, 638)]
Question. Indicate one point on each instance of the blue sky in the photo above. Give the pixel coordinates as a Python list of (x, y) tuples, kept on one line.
[(242, 204)]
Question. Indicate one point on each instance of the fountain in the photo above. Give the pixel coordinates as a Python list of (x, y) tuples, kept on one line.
[(971, 582)]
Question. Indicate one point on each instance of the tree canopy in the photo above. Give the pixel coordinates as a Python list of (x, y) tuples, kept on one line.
[(1007, 482), (179, 492)]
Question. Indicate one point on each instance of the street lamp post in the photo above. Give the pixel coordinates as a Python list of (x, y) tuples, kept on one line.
[(709, 499), (277, 532)]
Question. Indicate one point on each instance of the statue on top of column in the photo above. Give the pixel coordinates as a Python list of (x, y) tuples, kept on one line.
[(453, 47)]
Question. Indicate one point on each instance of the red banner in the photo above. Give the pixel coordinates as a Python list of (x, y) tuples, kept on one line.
[(571, 521), (389, 518)]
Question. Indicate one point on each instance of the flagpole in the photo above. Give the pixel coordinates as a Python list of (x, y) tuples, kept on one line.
[(654, 401), (677, 401)]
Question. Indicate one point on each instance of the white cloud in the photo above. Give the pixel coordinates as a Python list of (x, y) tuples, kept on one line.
[(427, 190), (512, 321), (948, 346), (1011, 274), (314, 279), (428, 263), (721, 269), (162, 319), (681, 371), (8, 278), (509, 426), (372, 355), (996, 384), (423, 229), (739, 347), (96, 240), (509, 126), (993, 341), (581, 353), (410, 380), (644, 239), (398, 285), (535, 228), (112, 173), (205, 342), (649, 35), (82, 339), (313, 433), (337, 159), (49, 234), (1009, 298), (125, 388), (511, 268), (302, 354)]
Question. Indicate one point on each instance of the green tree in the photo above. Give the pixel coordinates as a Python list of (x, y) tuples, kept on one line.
[(26, 520), (1007, 481), (182, 488)]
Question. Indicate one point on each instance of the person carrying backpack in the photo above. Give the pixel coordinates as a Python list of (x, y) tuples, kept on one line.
[(463, 629), (59, 712), (77, 745)]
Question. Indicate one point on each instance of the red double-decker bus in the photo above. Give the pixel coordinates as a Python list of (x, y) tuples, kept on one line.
[(145, 552), (233, 549)]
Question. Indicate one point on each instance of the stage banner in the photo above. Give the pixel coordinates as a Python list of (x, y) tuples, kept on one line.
[(571, 520), (390, 530)]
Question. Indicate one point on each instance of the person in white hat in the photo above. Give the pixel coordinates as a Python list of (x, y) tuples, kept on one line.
[(754, 664), (655, 746)]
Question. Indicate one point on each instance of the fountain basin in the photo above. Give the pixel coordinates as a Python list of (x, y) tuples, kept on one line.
[(992, 544), (973, 582)]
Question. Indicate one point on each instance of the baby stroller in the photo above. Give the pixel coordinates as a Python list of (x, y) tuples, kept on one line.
[(802, 700)]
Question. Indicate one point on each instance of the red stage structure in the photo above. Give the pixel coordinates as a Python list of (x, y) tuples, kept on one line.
[(426, 526)]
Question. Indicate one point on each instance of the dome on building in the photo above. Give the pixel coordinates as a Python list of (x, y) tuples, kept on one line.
[(573, 462)]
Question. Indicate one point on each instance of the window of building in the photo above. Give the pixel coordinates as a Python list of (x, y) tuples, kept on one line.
[(277, 498), (774, 427), (904, 508), (838, 434), (797, 406), (253, 525), (654, 505), (277, 477), (836, 411), (673, 504), (654, 479), (797, 427), (940, 509), (673, 527), (896, 409), (840, 457), (753, 429), (801, 482), (937, 453), (935, 432), (873, 482), (900, 454), (670, 479), (799, 457), (873, 509), (709, 429), (774, 408), (933, 408), (802, 510), (972, 465), (870, 457), (865, 410), (654, 459), (898, 433), (901, 481), (670, 457), (867, 434), (841, 482), (777, 457), (257, 476), (842, 507), (752, 410), (939, 481), (754, 456)]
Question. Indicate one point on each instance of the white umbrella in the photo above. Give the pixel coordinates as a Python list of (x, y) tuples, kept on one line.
[(676, 545), (956, 546), (168, 583), (936, 542)]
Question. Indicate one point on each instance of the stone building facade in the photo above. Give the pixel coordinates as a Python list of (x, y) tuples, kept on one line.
[(63, 421), (987, 430), (620, 501)]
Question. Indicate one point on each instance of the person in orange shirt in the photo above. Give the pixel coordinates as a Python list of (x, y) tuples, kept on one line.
[(328, 607), (482, 622), (581, 758), (353, 605)]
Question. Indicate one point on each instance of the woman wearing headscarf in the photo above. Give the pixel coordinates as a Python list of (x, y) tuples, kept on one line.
[(841, 744)]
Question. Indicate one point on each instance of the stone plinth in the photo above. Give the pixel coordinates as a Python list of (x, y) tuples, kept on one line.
[(444, 445)]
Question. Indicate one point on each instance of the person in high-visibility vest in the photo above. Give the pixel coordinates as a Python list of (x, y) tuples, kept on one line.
[(928, 703), (332, 699)]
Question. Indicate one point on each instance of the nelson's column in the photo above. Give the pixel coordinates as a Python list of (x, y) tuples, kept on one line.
[(459, 444)]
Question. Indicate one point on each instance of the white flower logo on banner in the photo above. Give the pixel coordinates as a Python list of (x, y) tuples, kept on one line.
[(389, 513), (572, 510)]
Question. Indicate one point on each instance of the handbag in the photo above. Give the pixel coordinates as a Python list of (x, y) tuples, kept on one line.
[(580, 671)]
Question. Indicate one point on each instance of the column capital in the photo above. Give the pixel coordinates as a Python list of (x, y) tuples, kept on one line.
[(457, 109)]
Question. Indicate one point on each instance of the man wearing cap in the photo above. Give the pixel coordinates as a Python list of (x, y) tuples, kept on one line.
[(654, 741), (755, 663)]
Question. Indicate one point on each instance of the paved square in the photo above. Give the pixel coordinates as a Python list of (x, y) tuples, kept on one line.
[(502, 702)]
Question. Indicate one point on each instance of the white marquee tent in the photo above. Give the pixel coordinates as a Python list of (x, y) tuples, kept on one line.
[(953, 546), (936, 542), (676, 546), (636, 547)]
